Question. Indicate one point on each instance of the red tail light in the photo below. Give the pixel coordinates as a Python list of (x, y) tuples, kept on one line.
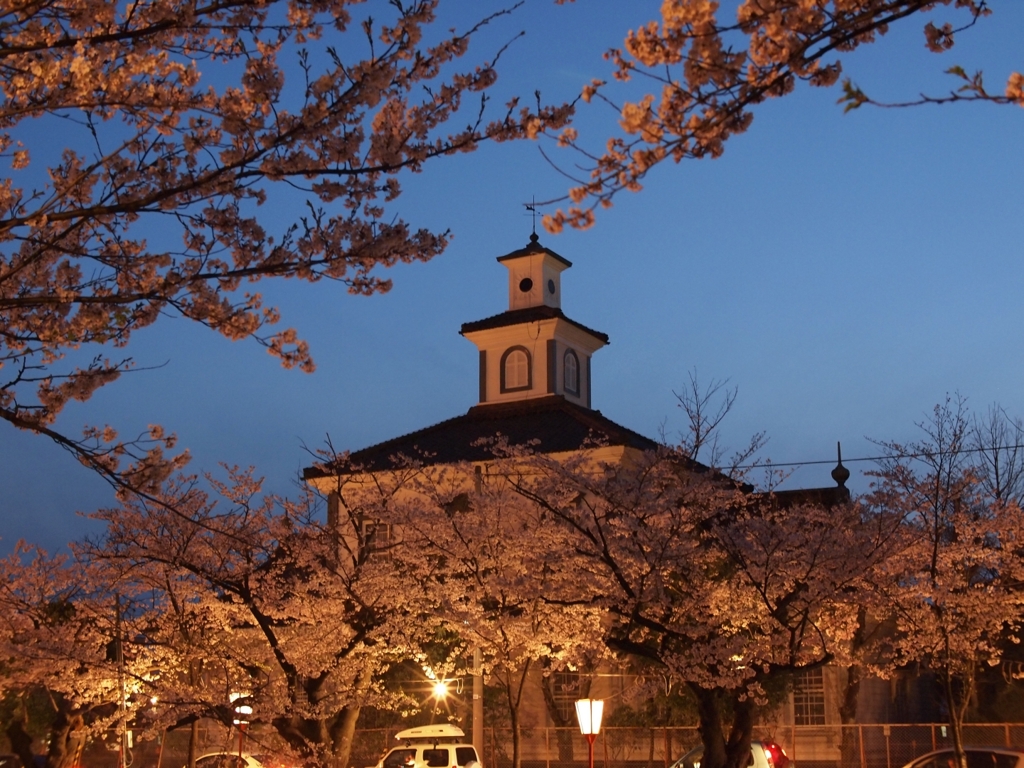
[(777, 757)]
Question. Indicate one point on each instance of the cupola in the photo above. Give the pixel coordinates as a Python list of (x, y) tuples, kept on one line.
[(534, 276), (533, 350)]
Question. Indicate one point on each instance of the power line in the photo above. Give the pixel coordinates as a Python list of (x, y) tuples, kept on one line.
[(926, 454)]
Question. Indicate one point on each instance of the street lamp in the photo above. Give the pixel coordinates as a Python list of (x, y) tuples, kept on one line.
[(588, 712), (242, 714)]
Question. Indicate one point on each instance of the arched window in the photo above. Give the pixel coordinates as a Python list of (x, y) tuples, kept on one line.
[(571, 373), (515, 370)]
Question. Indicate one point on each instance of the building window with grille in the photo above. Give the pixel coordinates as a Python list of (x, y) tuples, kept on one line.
[(515, 370), (565, 690), (809, 697), (571, 373), (376, 539)]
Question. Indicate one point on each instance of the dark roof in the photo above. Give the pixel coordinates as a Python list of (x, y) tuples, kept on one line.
[(553, 421), (556, 423), (527, 315), (829, 496), (532, 248)]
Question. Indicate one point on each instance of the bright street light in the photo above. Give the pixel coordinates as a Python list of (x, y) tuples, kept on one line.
[(588, 712), (242, 714)]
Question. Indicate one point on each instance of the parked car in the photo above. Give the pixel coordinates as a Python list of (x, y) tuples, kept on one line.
[(763, 754), (10, 760), (230, 760), (430, 746), (977, 757)]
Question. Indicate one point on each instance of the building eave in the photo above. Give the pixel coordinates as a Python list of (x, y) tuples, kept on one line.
[(549, 424), (533, 249), (529, 314)]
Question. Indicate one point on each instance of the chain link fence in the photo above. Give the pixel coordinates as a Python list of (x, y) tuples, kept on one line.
[(853, 746)]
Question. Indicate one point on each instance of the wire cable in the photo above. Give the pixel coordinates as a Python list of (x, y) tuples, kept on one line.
[(883, 457)]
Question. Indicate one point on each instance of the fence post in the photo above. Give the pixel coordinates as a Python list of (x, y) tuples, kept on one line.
[(888, 756), (860, 738)]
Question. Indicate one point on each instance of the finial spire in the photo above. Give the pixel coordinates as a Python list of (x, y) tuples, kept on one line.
[(840, 474)]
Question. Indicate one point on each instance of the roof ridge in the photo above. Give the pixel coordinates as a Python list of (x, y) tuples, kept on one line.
[(534, 247), (590, 413), (558, 425)]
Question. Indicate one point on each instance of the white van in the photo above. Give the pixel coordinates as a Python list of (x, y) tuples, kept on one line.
[(431, 746)]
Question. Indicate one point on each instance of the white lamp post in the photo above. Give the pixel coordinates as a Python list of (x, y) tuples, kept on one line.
[(242, 714), (588, 712)]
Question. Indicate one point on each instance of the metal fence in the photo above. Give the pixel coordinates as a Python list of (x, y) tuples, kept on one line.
[(853, 746)]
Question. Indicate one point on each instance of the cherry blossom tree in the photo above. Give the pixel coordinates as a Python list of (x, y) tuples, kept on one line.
[(179, 122), (294, 614), (705, 74), (955, 591), (493, 569), (724, 589), (997, 453), (60, 627)]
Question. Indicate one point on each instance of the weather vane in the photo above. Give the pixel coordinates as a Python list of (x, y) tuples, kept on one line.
[(532, 208)]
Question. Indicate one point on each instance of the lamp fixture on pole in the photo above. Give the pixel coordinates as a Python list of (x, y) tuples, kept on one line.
[(588, 712), (243, 712)]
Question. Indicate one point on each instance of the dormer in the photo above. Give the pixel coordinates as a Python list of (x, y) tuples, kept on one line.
[(534, 276), (533, 350)]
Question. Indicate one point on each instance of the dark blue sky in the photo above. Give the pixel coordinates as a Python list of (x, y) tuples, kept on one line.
[(844, 271)]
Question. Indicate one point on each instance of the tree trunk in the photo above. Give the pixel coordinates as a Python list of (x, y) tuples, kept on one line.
[(563, 736), (563, 739), (343, 735), (517, 759), (719, 752), (849, 748), (195, 674), (21, 741), (193, 743), (738, 747), (513, 682), (958, 708), (343, 729), (709, 726), (66, 736)]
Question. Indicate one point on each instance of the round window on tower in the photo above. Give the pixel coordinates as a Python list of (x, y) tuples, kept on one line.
[(551, 287), (525, 285)]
